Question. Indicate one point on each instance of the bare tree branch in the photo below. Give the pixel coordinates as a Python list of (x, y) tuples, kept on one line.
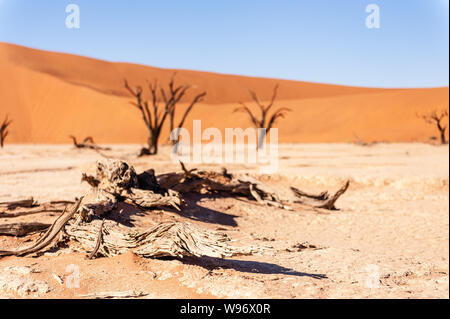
[(261, 122), (155, 116), (437, 118)]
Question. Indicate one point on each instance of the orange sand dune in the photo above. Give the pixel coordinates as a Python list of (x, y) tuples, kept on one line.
[(52, 95)]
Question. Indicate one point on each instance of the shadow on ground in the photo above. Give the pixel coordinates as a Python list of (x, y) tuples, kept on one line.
[(254, 267)]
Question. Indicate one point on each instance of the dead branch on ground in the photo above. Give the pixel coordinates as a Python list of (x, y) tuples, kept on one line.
[(87, 222), (360, 142), (323, 200), (29, 207), (21, 229), (204, 182), (88, 225), (88, 142)]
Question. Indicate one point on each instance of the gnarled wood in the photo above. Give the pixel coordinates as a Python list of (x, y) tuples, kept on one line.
[(117, 181), (87, 222), (28, 202), (203, 182), (29, 207), (49, 235), (174, 239), (322, 200), (21, 229)]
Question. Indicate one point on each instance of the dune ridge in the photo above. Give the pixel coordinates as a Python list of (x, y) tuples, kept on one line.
[(51, 95)]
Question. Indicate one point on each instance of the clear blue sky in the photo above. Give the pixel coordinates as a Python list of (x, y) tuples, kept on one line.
[(310, 40)]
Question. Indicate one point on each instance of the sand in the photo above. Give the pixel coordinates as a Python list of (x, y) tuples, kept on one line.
[(52, 95), (390, 238)]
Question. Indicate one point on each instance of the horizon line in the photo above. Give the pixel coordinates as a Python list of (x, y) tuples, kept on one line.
[(221, 73)]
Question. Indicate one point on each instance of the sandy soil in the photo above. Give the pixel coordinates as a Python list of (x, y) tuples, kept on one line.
[(392, 229)]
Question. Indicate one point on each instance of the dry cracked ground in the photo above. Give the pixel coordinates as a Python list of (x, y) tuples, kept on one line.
[(390, 238)]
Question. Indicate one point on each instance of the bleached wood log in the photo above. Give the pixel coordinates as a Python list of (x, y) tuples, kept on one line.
[(21, 229)]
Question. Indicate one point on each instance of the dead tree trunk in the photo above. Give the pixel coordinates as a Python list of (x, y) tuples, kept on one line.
[(4, 130), (437, 118), (263, 121)]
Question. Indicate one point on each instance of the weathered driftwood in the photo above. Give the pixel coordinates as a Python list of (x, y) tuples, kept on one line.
[(128, 294), (87, 228), (21, 229), (176, 239), (203, 182), (322, 200), (117, 181), (47, 238), (28, 202), (29, 207), (86, 223)]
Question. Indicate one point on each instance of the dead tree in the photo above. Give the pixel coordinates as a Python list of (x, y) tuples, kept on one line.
[(437, 118), (154, 116), (263, 121), (4, 130), (173, 91)]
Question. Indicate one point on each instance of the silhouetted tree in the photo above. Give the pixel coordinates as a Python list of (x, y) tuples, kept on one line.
[(4, 130), (155, 115), (264, 120), (437, 118)]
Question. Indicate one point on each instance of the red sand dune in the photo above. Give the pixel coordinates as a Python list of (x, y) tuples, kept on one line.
[(52, 95)]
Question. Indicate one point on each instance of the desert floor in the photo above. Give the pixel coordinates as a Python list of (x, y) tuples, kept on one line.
[(390, 238)]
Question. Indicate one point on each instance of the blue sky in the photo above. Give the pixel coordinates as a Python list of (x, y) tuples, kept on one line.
[(309, 40)]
